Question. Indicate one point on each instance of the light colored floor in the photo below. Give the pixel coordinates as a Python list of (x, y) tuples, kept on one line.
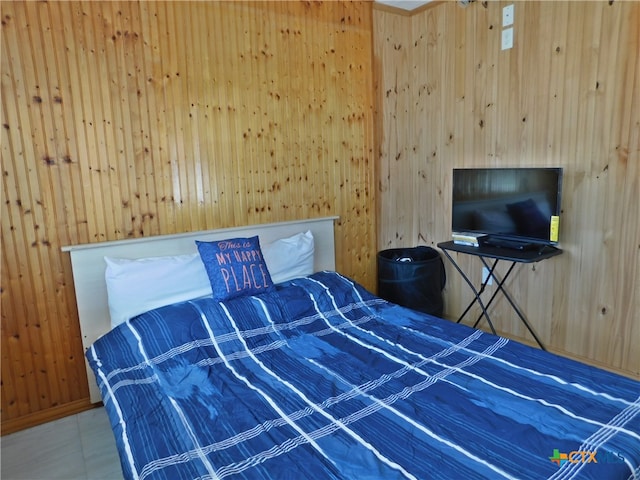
[(77, 447)]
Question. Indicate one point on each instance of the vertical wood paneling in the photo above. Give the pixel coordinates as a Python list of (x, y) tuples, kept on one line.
[(129, 119), (565, 95), (393, 43)]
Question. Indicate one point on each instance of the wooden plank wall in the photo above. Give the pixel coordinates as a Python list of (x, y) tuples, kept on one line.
[(567, 94), (134, 118)]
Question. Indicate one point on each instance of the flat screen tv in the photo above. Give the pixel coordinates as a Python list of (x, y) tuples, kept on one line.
[(519, 205)]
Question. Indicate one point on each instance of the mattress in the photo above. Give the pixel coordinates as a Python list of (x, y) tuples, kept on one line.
[(322, 379)]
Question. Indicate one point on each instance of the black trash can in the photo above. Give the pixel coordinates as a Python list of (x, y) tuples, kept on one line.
[(412, 277)]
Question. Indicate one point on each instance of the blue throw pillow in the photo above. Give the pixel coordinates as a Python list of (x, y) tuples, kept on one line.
[(235, 267)]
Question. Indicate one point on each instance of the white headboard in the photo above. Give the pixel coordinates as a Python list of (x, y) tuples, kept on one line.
[(89, 267)]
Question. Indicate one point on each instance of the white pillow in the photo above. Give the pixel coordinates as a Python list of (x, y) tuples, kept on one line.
[(140, 285), (136, 286), (290, 257)]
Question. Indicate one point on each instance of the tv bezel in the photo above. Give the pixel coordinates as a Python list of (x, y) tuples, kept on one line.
[(510, 236)]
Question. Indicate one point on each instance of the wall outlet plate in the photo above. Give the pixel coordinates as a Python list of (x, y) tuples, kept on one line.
[(507, 38), (485, 276)]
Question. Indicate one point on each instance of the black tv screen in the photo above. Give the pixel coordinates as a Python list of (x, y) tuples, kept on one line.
[(518, 204)]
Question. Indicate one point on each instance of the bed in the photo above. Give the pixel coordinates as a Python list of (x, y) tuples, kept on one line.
[(315, 377)]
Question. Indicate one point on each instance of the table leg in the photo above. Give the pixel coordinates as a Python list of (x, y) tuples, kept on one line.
[(476, 293), (500, 288), (495, 277)]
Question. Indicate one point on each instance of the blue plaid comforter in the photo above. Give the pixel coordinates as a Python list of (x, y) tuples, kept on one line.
[(321, 379)]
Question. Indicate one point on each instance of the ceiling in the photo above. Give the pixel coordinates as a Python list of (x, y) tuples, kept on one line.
[(407, 5)]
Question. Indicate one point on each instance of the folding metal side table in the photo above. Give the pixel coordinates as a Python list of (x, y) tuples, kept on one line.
[(490, 256)]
